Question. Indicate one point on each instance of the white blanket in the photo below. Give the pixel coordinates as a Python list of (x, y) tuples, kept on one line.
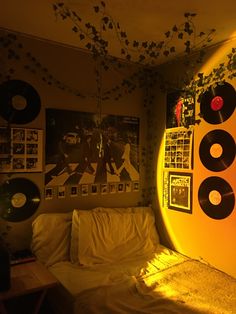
[(190, 287)]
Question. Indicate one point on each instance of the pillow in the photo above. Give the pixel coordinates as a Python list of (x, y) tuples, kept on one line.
[(51, 237), (105, 235)]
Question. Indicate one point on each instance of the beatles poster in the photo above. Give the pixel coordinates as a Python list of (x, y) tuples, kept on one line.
[(180, 191), (87, 149)]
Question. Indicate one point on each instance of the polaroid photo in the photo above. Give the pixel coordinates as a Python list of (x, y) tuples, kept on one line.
[(48, 194), (112, 188), (104, 188), (135, 186), (84, 189), (61, 192), (74, 191)]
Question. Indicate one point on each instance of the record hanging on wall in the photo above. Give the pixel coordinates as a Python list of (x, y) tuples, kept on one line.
[(216, 197), (217, 150), (218, 103), (20, 102), (19, 199)]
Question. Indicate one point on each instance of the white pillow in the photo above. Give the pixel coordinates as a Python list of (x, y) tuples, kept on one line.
[(51, 237), (106, 235)]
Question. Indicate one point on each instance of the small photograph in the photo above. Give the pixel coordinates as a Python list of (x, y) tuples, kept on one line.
[(94, 189), (18, 148), (32, 149), (84, 189), (48, 194), (112, 188), (104, 188), (61, 191), (128, 186), (31, 163), (18, 135), (136, 186), (32, 135), (18, 163), (74, 191), (120, 187)]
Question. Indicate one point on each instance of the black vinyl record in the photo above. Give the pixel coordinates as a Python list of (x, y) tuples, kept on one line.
[(19, 199), (218, 103), (20, 102), (216, 198), (217, 150)]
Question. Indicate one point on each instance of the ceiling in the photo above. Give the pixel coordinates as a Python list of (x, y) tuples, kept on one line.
[(142, 20)]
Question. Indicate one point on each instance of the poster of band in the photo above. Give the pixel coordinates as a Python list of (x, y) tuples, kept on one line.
[(180, 191), (87, 149), (21, 150)]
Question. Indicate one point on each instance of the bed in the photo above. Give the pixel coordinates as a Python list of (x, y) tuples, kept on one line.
[(110, 260)]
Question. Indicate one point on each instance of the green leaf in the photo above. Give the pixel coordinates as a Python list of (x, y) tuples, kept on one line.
[(167, 34), (81, 36)]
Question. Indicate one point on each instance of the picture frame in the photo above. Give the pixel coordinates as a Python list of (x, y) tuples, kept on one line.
[(180, 191), (21, 150)]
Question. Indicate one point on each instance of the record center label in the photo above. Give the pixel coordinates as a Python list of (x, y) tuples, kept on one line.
[(215, 197), (19, 102), (216, 150), (18, 200), (217, 103)]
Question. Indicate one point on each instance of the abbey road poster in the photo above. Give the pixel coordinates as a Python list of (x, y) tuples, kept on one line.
[(84, 148)]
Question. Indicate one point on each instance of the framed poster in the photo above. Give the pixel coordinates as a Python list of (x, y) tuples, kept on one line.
[(180, 191), (180, 111), (178, 148), (21, 150), (87, 148)]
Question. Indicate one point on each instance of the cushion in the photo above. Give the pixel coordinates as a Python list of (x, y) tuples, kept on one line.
[(51, 237), (107, 235)]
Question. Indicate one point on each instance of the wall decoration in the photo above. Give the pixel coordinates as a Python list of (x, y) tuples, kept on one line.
[(85, 148), (128, 187), (73, 191), (21, 150), (216, 197), (120, 187), (19, 199), (104, 188), (20, 102), (135, 186), (84, 189), (180, 110), (180, 191), (94, 189), (218, 103), (178, 148), (112, 188), (61, 192), (48, 193)]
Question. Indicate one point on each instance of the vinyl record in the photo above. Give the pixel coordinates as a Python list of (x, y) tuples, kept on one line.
[(19, 199), (216, 198), (217, 150), (20, 102), (218, 103)]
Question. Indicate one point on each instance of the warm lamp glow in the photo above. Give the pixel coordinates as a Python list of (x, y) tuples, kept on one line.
[(160, 192)]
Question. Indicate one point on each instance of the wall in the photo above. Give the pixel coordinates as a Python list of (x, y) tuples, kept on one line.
[(76, 69), (196, 234)]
